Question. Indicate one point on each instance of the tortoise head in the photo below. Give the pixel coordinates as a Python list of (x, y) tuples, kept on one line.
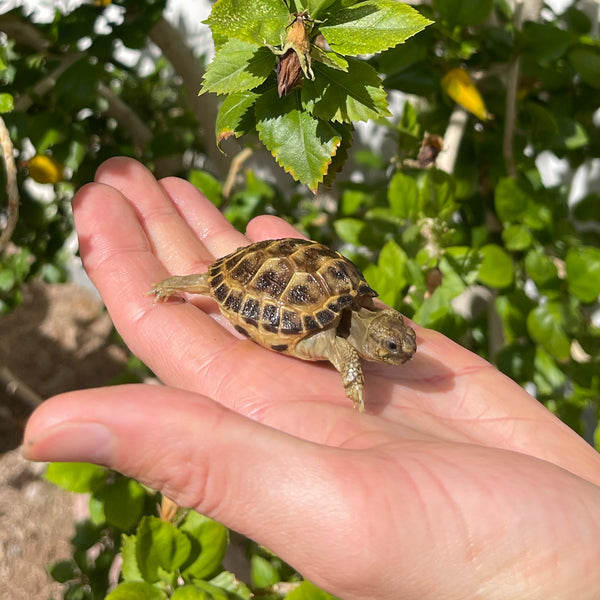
[(388, 339)]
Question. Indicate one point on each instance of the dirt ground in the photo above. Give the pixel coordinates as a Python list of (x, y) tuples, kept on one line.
[(60, 339)]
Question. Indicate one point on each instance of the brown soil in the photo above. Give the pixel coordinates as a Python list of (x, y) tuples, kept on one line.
[(60, 339)]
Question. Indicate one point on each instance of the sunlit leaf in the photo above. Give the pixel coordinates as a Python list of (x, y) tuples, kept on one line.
[(403, 196), (160, 547), (540, 268), (352, 95), (517, 237), (257, 21), (136, 590), (122, 502), (76, 477), (302, 144), (496, 269), (209, 543), (234, 117), (238, 66), (6, 102), (546, 325), (583, 273), (308, 591), (372, 26)]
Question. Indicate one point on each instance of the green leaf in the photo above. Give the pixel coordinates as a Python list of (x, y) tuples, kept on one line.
[(314, 7), (46, 130), (238, 66), (129, 568), (160, 547), (540, 268), (262, 572), (587, 208), (6, 102), (345, 96), (544, 41), (513, 309), (7, 279), (464, 14), (191, 592), (234, 117), (76, 477), (349, 230), (546, 326), (437, 194), (516, 360), (388, 277), (583, 273), (214, 592), (344, 130), (517, 237), (301, 144), (403, 196), (511, 199), (257, 21), (372, 26), (236, 589), (63, 571), (77, 86), (548, 377), (208, 184), (308, 591), (136, 590), (496, 269), (435, 309), (329, 59), (209, 544), (586, 61), (571, 134), (122, 502)]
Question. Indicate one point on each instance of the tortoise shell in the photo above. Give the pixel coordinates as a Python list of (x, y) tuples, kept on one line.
[(277, 292)]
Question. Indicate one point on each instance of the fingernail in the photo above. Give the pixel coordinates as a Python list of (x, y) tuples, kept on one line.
[(73, 442)]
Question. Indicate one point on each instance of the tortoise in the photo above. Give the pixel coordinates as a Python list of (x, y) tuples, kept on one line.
[(299, 297)]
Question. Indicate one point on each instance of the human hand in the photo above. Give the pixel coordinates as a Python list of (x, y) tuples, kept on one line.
[(453, 484)]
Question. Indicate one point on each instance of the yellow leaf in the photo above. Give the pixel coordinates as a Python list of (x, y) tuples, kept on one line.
[(45, 169), (459, 86)]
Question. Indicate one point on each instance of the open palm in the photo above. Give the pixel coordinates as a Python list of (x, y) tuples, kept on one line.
[(454, 483)]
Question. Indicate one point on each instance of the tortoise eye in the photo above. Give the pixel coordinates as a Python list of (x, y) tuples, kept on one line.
[(392, 346)]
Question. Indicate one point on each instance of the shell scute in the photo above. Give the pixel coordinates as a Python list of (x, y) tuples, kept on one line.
[(290, 322), (251, 309), (289, 287), (272, 277)]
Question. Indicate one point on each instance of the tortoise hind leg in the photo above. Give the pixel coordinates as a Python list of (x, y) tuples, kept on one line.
[(180, 284), (342, 355)]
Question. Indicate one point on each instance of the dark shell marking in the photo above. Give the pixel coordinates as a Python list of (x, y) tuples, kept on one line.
[(289, 287)]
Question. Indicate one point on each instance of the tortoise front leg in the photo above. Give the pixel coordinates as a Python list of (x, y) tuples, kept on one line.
[(179, 284), (342, 355)]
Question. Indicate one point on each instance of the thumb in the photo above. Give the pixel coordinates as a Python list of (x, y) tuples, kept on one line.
[(277, 489)]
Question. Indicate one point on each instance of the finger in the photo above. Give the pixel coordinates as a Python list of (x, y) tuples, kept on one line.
[(268, 227), (203, 219), (171, 238), (119, 259), (179, 342), (239, 472), (369, 514)]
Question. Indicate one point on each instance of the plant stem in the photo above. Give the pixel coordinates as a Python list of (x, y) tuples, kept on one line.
[(12, 190)]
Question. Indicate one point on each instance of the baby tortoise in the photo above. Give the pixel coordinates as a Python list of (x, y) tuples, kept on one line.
[(301, 298)]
